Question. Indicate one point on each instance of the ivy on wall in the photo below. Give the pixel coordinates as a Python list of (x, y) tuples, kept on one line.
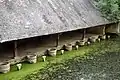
[(109, 8)]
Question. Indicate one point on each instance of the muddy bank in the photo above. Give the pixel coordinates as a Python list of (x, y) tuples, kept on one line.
[(101, 63)]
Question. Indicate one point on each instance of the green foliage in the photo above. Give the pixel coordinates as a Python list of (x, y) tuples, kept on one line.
[(109, 8)]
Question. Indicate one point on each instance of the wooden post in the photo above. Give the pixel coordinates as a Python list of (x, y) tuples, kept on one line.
[(84, 32), (57, 40), (118, 25), (15, 50), (104, 30)]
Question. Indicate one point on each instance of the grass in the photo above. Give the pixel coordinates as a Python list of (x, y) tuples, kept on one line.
[(34, 68)]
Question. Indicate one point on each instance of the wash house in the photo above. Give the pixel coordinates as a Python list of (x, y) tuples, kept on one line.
[(33, 26)]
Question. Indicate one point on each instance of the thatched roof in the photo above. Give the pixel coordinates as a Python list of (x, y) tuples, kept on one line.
[(28, 18)]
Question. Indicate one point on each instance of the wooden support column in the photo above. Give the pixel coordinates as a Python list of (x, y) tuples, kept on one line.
[(104, 30), (118, 25), (15, 50), (57, 40), (84, 32)]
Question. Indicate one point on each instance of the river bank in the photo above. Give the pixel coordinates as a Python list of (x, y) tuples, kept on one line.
[(100, 61)]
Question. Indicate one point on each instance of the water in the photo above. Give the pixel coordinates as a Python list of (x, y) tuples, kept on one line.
[(105, 66)]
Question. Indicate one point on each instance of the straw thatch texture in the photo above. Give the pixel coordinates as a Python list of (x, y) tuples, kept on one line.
[(28, 18)]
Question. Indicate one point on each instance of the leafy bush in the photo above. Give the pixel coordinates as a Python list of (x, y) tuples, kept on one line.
[(109, 8)]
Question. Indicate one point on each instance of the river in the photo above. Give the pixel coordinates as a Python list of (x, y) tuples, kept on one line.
[(104, 66)]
